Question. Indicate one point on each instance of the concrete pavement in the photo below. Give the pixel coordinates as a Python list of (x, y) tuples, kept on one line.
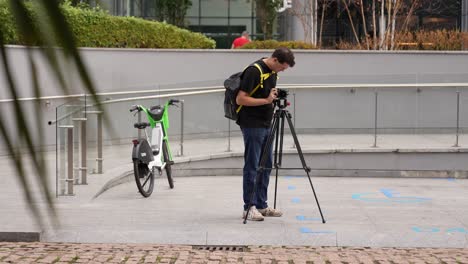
[(206, 210), (362, 212)]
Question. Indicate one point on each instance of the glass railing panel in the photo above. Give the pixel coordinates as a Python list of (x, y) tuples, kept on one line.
[(351, 109)]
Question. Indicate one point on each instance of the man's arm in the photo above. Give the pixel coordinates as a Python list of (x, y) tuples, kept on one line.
[(243, 98)]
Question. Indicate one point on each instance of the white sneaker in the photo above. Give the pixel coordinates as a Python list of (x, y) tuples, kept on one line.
[(270, 212), (254, 214)]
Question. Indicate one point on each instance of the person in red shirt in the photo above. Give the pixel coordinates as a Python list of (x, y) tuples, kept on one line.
[(241, 41)]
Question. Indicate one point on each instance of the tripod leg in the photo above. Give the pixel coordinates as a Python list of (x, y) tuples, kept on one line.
[(263, 158), (279, 154), (301, 156)]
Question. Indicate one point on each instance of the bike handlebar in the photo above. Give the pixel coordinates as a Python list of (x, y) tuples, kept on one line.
[(173, 101), (134, 108), (137, 107)]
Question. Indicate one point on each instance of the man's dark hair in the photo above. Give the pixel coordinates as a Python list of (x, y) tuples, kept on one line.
[(283, 55)]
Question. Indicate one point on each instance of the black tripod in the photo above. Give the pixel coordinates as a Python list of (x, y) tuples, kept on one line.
[(277, 129)]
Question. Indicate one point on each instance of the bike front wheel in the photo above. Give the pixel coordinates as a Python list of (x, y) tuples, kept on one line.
[(168, 168), (144, 178)]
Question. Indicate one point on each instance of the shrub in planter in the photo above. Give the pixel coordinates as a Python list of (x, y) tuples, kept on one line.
[(96, 28), (273, 44)]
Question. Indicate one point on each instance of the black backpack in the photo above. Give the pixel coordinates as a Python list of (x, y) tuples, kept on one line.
[(232, 85)]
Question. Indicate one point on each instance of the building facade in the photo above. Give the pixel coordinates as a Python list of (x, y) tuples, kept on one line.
[(327, 21)]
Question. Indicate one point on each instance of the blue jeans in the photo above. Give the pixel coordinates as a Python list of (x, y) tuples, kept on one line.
[(255, 140)]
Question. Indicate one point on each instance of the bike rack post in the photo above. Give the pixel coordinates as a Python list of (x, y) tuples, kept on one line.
[(82, 150)]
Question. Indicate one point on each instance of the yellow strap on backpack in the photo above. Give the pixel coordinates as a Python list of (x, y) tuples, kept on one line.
[(263, 76)]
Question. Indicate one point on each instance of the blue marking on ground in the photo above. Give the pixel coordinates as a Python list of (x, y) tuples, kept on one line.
[(296, 200), (304, 218), (451, 230), (306, 230), (388, 192), (425, 229), (457, 230), (290, 187), (390, 196), (292, 176)]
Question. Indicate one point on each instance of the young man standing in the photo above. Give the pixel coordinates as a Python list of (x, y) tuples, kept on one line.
[(254, 119)]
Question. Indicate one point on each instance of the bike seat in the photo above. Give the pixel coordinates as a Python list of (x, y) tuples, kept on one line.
[(141, 125), (157, 112)]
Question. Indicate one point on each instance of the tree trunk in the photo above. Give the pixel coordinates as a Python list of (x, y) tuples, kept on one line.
[(388, 27), (382, 25), (301, 10), (324, 7), (364, 24), (394, 16), (375, 25), (409, 15), (352, 24)]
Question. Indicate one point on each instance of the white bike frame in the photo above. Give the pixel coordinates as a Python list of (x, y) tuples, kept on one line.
[(156, 142)]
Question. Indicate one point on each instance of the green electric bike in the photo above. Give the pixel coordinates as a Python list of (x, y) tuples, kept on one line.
[(151, 154)]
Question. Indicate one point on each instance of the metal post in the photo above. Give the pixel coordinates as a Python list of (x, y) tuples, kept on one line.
[(139, 121), (229, 136), (66, 180), (458, 119), (57, 142), (81, 167), (99, 140), (375, 118), (84, 150), (182, 127), (69, 179), (294, 112), (99, 158)]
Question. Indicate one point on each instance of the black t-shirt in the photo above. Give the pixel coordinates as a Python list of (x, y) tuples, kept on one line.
[(256, 116)]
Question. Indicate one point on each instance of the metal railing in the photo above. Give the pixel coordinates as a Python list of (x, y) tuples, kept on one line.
[(177, 92)]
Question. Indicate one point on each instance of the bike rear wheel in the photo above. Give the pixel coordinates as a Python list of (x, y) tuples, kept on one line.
[(168, 168), (144, 178)]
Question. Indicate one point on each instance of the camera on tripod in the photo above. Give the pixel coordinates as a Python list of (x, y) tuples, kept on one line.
[(280, 117), (282, 93)]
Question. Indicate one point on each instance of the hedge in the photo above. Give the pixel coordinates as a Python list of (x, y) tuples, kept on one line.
[(273, 44), (96, 28), (421, 40), (6, 24)]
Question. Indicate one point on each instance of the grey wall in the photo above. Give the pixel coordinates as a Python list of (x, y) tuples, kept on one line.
[(334, 110), (127, 69)]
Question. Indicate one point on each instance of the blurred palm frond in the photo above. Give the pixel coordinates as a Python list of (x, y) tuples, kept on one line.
[(49, 30)]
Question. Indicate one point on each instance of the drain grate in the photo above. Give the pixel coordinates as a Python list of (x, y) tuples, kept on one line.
[(222, 248)]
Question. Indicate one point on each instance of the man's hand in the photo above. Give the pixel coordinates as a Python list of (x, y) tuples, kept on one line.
[(243, 98), (272, 96)]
